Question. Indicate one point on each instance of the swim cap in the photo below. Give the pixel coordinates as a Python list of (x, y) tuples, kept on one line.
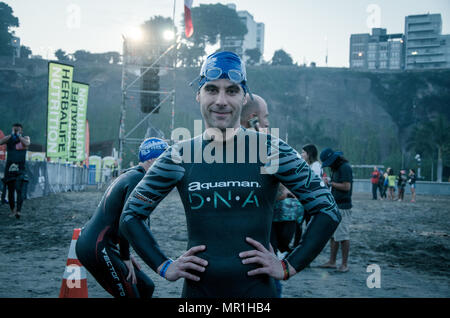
[(224, 65), (151, 148)]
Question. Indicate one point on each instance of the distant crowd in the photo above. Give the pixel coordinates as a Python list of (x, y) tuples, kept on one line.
[(387, 184)]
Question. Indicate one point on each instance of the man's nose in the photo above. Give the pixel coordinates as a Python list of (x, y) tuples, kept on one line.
[(221, 99)]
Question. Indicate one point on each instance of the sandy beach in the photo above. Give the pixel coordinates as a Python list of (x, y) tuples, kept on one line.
[(409, 242)]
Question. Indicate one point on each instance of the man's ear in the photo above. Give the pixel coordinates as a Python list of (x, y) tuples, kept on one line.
[(197, 97), (245, 100)]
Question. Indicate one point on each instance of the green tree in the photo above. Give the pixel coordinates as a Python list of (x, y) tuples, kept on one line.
[(154, 41), (83, 56), (61, 55), (212, 22), (7, 21), (431, 136), (254, 56), (280, 57), (154, 29), (25, 52), (190, 55), (112, 57)]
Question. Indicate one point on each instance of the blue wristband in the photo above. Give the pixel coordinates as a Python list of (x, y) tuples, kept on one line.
[(166, 265)]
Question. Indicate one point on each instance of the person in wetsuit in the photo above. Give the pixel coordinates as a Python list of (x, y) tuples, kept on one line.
[(96, 248), (15, 176), (255, 115), (228, 198)]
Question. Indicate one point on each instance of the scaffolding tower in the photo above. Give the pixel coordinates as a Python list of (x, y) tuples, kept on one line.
[(135, 64)]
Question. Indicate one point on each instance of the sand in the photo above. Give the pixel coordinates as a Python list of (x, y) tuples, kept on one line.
[(409, 242)]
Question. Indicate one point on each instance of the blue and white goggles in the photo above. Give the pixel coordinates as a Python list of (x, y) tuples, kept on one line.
[(214, 73), (226, 65)]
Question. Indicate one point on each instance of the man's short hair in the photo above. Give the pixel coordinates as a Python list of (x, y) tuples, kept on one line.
[(250, 107), (17, 125)]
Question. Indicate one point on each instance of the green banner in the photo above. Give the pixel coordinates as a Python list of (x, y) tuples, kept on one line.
[(78, 110), (58, 118)]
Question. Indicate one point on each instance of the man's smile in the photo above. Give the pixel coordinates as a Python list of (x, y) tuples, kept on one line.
[(220, 112)]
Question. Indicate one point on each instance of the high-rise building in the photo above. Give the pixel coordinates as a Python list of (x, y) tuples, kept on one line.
[(376, 51), (445, 42), (426, 47), (253, 39)]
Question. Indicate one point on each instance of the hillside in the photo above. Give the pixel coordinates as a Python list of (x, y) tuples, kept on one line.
[(367, 115)]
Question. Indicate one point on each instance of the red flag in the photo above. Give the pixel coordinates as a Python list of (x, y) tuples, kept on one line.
[(188, 27)]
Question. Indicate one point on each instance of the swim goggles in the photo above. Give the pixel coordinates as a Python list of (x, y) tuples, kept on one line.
[(214, 73)]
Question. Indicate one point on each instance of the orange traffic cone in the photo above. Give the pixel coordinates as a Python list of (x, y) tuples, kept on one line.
[(74, 283)]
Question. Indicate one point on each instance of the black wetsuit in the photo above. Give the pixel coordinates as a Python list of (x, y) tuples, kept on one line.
[(96, 247), (224, 203), (15, 173)]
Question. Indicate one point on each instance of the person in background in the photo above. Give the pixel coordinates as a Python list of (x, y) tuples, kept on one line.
[(374, 180), (341, 188), (401, 184), (381, 188), (102, 249), (255, 116), (386, 182), (310, 155), (412, 183), (15, 169), (391, 183)]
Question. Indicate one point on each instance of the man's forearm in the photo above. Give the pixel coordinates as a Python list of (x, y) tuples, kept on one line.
[(4, 139), (341, 186), (318, 232), (25, 141), (143, 242)]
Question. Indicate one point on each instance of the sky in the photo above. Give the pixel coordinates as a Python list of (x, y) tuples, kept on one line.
[(306, 29)]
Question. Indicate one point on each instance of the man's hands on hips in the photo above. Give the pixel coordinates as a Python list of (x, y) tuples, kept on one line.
[(188, 261), (270, 264)]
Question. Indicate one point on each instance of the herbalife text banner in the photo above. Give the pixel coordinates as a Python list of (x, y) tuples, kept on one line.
[(58, 120), (78, 109)]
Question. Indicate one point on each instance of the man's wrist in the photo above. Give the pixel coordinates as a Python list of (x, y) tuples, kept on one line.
[(292, 270), (162, 269), (288, 270)]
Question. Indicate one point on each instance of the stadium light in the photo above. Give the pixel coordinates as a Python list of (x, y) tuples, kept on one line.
[(135, 33), (168, 35)]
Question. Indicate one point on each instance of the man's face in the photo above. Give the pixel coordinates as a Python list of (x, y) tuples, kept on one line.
[(17, 129), (221, 104), (263, 114)]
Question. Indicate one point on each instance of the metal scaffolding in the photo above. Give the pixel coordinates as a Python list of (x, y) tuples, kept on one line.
[(161, 58)]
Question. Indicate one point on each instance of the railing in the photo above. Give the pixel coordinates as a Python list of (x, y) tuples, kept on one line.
[(422, 187), (45, 178)]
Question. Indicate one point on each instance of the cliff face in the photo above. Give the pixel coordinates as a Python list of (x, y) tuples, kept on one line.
[(367, 115)]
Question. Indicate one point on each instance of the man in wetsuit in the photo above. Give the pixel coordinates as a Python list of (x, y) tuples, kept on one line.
[(228, 197), (15, 169), (255, 115), (115, 270)]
